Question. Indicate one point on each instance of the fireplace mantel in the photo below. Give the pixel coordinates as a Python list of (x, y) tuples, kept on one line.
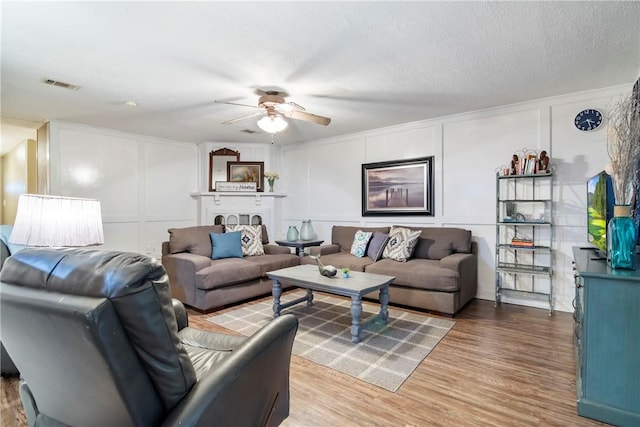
[(218, 196)]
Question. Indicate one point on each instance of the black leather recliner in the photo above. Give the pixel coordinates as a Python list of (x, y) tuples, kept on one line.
[(99, 341)]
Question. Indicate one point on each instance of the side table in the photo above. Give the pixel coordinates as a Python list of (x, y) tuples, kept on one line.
[(299, 245)]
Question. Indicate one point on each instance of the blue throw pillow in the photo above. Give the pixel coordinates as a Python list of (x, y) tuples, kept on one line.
[(226, 245)]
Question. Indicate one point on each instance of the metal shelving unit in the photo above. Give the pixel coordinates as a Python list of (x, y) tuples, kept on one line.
[(524, 236)]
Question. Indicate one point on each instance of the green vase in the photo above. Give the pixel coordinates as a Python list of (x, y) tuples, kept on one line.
[(621, 239)]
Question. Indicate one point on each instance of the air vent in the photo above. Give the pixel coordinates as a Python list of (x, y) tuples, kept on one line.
[(61, 84), (249, 131)]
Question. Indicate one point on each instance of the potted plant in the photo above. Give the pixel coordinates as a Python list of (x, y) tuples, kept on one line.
[(345, 272)]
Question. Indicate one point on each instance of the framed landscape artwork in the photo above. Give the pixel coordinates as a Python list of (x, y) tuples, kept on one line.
[(246, 172), (402, 187)]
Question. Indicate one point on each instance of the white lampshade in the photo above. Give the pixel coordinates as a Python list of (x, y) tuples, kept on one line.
[(272, 124), (57, 221)]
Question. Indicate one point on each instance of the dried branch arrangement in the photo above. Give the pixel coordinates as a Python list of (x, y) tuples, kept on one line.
[(623, 146)]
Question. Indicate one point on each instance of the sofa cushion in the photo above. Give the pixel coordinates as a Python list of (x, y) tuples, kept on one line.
[(194, 240), (439, 242), (226, 272), (402, 242), (417, 273), (360, 243), (251, 238), (341, 260), (269, 263), (226, 245), (343, 235), (376, 245)]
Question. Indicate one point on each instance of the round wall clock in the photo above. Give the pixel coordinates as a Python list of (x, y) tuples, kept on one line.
[(587, 120)]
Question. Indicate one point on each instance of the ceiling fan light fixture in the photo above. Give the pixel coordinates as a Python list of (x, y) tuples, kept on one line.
[(272, 124)]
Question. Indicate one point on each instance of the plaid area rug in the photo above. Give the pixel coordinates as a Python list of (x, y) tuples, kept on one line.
[(386, 355)]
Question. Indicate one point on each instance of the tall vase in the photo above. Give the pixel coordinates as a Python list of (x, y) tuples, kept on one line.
[(621, 239), (292, 233), (271, 181), (306, 231)]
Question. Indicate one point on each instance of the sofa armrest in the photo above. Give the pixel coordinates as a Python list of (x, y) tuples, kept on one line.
[(166, 248), (467, 267), (250, 387), (324, 249), (276, 250), (181, 269), (181, 314)]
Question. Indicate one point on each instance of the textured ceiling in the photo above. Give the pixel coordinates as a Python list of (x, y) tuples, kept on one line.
[(364, 64)]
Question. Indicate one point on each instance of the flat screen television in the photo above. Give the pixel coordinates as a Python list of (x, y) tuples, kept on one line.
[(600, 203)]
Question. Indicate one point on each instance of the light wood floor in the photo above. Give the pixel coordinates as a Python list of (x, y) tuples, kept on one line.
[(505, 366)]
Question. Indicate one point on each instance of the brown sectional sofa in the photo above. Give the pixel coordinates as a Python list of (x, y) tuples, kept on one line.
[(206, 284), (441, 276)]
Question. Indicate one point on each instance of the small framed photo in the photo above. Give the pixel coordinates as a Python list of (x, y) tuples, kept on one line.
[(402, 187), (246, 172)]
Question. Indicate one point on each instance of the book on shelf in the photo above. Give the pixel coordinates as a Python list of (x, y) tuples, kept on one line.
[(521, 243)]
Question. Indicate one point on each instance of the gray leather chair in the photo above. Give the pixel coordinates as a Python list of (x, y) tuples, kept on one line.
[(99, 341)]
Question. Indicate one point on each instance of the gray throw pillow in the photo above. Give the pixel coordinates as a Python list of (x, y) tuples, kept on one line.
[(376, 245)]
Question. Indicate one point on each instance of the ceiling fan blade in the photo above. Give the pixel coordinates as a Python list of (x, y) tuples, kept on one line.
[(296, 106), (308, 117), (237, 119), (234, 103)]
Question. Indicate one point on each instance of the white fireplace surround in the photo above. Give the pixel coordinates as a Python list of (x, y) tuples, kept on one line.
[(245, 208)]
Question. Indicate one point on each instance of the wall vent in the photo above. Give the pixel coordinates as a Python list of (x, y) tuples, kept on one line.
[(61, 84)]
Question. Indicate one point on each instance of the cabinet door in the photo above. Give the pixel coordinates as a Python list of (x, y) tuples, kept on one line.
[(611, 343)]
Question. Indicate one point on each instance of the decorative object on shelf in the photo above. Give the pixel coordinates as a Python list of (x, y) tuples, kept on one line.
[(271, 179), (325, 270), (246, 172), (292, 233), (623, 147), (527, 162), (621, 239), (222, 186), (306, 231), (588, 120), (345, 272), (515, 163), (401, 187), (218, 160), (543, 162)]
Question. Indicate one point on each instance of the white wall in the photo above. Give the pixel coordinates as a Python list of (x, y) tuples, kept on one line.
[(143, 183), (322, 178)]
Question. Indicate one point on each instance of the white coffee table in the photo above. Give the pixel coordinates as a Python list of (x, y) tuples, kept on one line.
[(355, 286)]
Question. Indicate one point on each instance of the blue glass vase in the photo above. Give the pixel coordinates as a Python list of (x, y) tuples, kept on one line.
[(621, 239)]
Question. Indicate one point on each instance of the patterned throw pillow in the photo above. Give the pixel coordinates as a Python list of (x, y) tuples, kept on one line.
[(251, 238), (360, 242), (402, 242)]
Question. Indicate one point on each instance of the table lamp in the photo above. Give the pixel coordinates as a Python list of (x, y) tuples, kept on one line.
[(57, 221)]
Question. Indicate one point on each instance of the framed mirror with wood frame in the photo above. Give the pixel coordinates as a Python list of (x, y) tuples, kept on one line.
[(218, 160)]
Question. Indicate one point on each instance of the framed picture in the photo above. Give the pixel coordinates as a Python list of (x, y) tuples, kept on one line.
[(218, 165), (402, 187), (246, 172)]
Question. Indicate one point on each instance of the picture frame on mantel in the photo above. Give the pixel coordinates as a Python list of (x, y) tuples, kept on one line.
[(399, 187), (246, 172)]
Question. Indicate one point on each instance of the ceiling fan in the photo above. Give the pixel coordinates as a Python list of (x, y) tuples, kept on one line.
[(274, 107)]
